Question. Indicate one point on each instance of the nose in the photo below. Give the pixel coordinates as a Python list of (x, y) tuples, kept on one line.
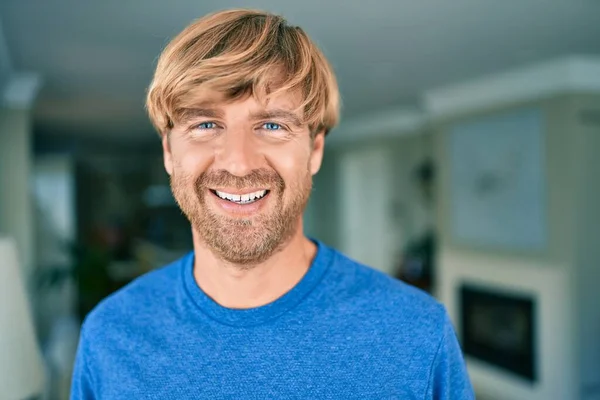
[(238, 153)]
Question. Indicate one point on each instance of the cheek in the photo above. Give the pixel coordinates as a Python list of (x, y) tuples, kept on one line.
[(292, 166), (192, 160)]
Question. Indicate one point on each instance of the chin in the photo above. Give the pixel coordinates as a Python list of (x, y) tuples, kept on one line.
[(245, 242), (245, 254)]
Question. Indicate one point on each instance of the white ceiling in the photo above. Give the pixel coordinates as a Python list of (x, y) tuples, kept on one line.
[(96, 58)]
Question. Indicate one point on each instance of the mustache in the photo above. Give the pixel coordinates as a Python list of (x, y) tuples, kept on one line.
[(256, 178)]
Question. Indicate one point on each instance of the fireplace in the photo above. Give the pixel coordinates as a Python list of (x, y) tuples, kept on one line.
[(498, 327)]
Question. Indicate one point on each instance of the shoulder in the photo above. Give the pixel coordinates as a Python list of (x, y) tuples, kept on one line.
[(365, 283), (386, 301), (404, 324), (139, 300)]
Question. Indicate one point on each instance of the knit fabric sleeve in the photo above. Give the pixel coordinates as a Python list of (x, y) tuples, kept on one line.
[(448, 378)]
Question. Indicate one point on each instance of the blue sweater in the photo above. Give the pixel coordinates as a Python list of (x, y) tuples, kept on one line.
[(345, 331)]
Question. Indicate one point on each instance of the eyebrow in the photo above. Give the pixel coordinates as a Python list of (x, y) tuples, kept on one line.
[(279, 114), (192, 113)]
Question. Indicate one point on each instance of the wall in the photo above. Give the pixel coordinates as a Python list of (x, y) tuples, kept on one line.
[(54, 189), (411, 213), (321, 221), (554, 276), (16, 217), (367, 233), (586, 117), (365, 200)]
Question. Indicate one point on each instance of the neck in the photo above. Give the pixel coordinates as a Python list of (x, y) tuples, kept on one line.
[(234, 286)]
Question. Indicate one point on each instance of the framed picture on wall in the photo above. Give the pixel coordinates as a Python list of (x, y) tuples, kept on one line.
[(497, 182)]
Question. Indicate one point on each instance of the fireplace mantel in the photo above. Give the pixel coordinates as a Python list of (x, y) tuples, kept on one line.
[(550, 286)]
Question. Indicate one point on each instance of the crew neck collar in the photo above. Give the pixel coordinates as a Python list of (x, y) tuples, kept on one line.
[(261, 314)]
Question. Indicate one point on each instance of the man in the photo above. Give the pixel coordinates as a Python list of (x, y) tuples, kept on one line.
[(243, 102)]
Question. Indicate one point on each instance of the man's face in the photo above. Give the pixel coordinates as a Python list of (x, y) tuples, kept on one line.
[(242, 174)]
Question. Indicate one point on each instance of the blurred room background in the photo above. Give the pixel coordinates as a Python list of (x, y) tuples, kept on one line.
[(465, 164)]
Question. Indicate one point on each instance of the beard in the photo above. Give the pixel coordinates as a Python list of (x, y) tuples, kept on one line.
[(243, 241)]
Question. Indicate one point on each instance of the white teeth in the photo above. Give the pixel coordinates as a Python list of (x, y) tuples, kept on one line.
[(242, 199)]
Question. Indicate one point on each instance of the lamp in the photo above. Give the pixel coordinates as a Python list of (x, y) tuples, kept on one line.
[(21, 368)]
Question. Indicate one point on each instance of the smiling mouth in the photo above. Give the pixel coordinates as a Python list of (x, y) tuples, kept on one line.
[(247, 198)]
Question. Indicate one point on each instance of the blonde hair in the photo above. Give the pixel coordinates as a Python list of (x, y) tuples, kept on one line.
[(238, 53)]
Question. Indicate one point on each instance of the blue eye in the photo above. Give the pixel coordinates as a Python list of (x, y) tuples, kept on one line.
[(271, 126), (206, 125)]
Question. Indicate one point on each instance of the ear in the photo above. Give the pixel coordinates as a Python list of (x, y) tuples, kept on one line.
[(316, 156), (167, 156)]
